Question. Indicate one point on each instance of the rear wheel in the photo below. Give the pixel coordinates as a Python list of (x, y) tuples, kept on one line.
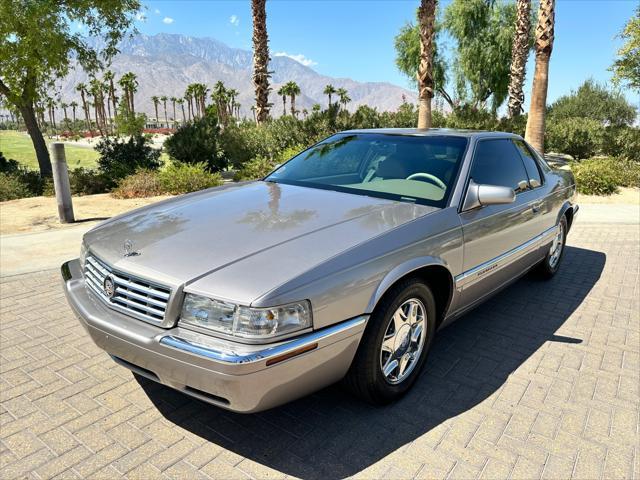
[(395, 344), (551, 262)]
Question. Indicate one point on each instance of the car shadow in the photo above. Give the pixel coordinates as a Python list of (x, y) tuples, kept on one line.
[(331, 434)]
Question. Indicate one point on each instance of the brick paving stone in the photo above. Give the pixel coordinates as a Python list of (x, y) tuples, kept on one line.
[(542, 381)]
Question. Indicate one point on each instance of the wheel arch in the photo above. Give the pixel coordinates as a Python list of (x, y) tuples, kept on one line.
[(568, 211), (433, 271)]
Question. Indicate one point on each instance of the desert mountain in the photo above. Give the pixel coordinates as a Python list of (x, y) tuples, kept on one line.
[(166, 63)]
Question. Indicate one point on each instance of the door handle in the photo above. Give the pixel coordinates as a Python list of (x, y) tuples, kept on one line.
[(536, 207)]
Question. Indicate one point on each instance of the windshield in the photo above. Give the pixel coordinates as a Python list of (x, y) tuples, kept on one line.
[(420, 169)]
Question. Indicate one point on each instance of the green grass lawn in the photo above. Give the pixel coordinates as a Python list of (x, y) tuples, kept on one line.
[(18, 146)]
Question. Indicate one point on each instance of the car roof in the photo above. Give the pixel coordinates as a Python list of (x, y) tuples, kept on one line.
[(433, 131)]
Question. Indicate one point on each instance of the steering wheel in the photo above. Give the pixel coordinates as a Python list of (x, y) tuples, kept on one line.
[(427, 176)]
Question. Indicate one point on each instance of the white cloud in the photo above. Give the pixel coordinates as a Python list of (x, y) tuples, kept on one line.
[(167, 20), (307, 62), (156, 11), (234, 20), (141, 16)]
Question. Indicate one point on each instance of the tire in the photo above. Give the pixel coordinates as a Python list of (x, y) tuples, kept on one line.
[(548, 267), (366, 378)]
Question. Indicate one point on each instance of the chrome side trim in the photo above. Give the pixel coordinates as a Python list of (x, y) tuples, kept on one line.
[(344, 329), (465, 279)]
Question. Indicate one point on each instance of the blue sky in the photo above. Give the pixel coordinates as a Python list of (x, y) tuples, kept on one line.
[(344, 38)]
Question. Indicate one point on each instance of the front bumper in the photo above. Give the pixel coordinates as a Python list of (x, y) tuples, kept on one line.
[(243, 378)]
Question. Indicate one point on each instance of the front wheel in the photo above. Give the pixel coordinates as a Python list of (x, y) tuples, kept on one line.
[(395, 344), (551, 262)]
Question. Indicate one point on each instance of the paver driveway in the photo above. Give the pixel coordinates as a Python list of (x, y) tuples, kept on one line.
[(542, 381)]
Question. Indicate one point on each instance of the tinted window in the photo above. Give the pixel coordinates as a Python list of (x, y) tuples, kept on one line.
[(497, 162), (529, 162), (411, 168)]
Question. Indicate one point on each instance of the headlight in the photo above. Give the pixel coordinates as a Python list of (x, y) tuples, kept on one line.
[(83, 254), (246, 322)]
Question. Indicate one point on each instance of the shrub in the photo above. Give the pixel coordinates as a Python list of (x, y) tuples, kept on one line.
[(197, 142), (257, 168), (8, 165), (128, 123), (578, 137), (180, 178), (119, 158), (11, 187), (622, 142), (85, 181), (260, 166), (143, 183), (603, 176)]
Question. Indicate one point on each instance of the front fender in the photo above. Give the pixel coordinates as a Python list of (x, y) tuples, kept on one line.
[(401, 271)]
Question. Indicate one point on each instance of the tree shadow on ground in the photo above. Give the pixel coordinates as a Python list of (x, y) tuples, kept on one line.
[(331, 434)]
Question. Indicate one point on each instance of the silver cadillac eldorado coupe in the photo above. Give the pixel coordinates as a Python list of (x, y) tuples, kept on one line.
[(341, 264)]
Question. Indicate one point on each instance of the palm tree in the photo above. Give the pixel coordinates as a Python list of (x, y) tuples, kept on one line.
[(329, 90), (173, 104), (156, 101), (64, 107), (426, 19), (293, 89), (111, 89), (180, 101), (129, 84), (282, 91), (232, 93), (51, 109), (344, 97), (519, 54), (82, 88), (543, 45), (74, 105), (96, 88), (253, 110), (164, 99), (220, 96), (188, 96), (260, 59), (200, 96)]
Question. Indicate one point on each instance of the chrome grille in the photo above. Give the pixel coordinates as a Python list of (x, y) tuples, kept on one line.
[(133, 296)]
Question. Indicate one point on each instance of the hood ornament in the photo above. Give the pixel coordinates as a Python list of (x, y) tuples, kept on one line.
[(128, 249)]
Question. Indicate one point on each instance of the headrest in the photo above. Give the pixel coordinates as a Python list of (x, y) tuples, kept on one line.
[(392, 167)]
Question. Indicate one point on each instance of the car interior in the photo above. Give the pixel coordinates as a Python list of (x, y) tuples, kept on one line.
[(403, 166)]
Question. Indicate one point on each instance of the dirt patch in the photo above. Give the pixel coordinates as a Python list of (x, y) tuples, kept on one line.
[(39, 214), (627, 195)]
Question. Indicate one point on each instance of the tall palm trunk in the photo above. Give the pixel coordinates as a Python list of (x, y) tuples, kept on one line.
[(544, 45), (426, 19), (519, 54), (84, 109), (260, 59)]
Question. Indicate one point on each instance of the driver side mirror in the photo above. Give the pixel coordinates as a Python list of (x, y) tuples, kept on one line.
[(481, 195)]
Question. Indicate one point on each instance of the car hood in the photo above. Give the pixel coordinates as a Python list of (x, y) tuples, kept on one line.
[(184, 240)]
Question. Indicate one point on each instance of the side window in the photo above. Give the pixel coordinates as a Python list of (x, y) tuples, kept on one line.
[(529, 163), (497, 162)]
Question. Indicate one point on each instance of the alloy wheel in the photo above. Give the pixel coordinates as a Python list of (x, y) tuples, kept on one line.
[(403, 341)]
